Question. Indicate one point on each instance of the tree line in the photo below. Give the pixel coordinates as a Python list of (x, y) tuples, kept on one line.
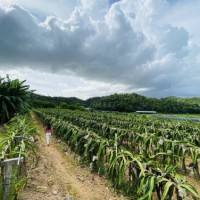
[(120, 103), (134, 102), (16, 97)]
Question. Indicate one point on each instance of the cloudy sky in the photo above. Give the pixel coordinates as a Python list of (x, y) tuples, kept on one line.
[(88, 48)]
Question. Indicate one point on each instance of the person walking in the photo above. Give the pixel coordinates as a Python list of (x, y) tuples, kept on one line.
[(49, 132)]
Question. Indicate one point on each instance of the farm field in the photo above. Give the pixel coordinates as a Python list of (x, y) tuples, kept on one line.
[(56, 173), (144, 158), (99, 100)]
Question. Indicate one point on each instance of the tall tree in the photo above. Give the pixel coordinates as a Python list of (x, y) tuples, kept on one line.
[(14, 98)]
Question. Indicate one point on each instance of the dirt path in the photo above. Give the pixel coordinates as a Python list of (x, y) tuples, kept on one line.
[(57, 176)]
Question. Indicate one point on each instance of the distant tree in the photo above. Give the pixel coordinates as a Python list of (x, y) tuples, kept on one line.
[(43, 104), (133, 102), (14, 98)]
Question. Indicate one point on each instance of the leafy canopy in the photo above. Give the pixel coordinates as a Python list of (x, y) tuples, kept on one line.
[(14, 98)]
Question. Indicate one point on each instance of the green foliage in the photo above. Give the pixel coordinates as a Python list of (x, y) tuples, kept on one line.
[(192, 100), (118, 102), (16, 143), (18, 128), (140, 155), (40, 101), (20, 185), (14, 98), (134, 102)]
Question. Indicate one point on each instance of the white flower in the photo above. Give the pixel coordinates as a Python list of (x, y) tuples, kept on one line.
[(182, 193), (161, 142), (31, 138), (86, 137), (94, 158)]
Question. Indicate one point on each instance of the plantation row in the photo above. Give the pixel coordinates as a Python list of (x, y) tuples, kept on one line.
[(140, 155), (15, 143), (176, 141), (174, 130)]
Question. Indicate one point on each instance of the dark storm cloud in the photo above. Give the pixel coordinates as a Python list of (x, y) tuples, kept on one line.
[(78, 44), (125, 45)]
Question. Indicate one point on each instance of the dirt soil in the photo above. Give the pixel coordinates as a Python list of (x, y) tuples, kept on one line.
[(57, 175)]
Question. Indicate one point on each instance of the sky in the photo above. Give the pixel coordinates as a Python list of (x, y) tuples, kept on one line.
[(89, 48)]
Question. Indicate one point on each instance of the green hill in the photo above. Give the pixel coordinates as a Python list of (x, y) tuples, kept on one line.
[(192, 100), (133, 102), (41, 101), (121, 103)]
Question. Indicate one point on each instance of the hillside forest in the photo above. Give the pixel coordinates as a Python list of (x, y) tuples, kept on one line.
[(121, 103)]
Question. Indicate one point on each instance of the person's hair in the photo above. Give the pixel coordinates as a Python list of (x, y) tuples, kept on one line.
[(48, 126)]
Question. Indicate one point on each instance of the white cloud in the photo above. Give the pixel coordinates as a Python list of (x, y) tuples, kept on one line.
[(185, 14), (132, 45), (63, 85), (96, 9), (59, 8)]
